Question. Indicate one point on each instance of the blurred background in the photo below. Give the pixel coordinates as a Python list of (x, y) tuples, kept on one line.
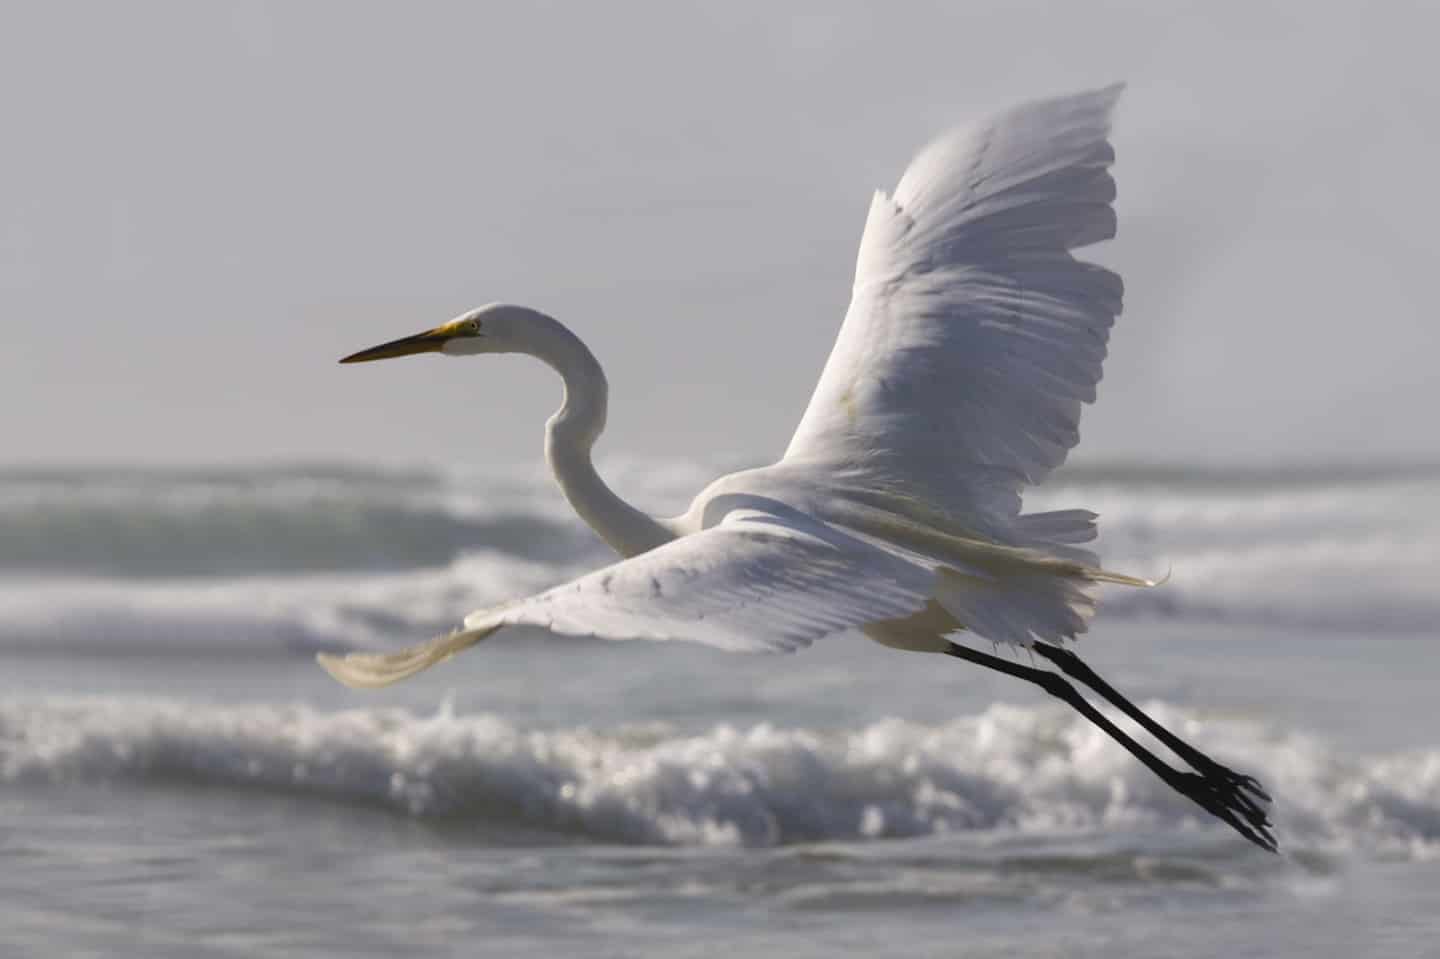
[(202, 206), (205, 205)]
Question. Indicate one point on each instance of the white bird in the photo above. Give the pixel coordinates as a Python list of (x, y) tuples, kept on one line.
[(972, 338)]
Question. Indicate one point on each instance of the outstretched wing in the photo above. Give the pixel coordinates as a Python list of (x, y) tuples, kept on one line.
[(754, 582), (973, 336)]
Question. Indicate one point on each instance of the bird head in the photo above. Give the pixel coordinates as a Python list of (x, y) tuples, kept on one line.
[(496, 328)]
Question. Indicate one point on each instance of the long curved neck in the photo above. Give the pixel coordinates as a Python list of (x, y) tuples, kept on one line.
[(571, 433)]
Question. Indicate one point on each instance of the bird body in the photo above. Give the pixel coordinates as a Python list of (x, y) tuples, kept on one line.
[(972, 339)]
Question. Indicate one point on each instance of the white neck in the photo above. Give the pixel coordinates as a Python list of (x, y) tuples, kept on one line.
[(572, 431)]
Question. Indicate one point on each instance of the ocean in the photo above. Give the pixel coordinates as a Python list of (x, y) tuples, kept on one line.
[(178, 778)]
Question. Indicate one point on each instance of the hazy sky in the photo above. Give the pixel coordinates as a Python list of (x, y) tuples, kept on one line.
[(203, 205)]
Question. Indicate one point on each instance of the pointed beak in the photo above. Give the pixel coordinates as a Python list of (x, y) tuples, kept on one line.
[(431, 341)]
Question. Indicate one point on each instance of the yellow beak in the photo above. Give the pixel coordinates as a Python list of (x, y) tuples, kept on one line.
[(431, 341)]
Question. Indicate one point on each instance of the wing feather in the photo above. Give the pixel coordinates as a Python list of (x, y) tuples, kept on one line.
[(974, 337), (752, 583)]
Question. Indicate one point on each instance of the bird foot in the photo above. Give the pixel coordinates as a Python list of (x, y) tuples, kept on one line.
[(1237, 799)]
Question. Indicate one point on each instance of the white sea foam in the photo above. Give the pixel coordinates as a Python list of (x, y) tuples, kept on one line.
[(1006, 771)]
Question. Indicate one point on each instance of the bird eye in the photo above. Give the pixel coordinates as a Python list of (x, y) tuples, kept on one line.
[(473, 326)]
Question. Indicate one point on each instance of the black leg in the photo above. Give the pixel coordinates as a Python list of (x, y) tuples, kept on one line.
[(1076, 668), (1219, 797)]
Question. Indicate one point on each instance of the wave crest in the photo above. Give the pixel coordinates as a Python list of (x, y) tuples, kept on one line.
[(1007, 770)]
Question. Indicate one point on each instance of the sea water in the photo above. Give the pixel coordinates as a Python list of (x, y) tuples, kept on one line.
[(177, 777)]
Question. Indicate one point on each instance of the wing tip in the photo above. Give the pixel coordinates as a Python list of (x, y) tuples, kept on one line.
[(1112, 91), (345, 669), (1104, 97), (362, 670), (1095, 105)]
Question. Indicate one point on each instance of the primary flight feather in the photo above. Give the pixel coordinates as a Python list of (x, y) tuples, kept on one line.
[(973, 338)]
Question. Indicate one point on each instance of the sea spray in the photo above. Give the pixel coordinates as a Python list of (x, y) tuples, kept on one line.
[(1007, 771)]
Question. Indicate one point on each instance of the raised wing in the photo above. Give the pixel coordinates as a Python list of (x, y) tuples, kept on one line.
[(973, 336), (754, 583)]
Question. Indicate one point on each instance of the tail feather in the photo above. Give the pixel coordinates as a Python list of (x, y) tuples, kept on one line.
[(1035, 584), (1019, 609), (1057, 532)]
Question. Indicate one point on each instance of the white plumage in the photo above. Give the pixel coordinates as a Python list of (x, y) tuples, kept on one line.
[(974, 335), (972, 340), (752, 583)]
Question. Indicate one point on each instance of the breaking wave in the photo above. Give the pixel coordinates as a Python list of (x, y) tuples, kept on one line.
[(1007, 771)]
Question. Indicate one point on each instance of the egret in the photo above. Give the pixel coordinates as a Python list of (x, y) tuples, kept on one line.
[(972, 338)]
